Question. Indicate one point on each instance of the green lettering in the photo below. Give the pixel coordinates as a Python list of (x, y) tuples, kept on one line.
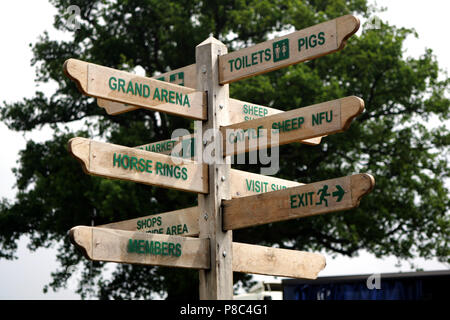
[(171, 96), (312, 43), (113, 86), (315, 119), (159, 168), (141, 165), (184, 173), (164, 248), (267, 54), (148, 249), (156, 94), (186, 101), (236, 65), (116, 160), (321, 38), (164, 95), (148, 166), (133, 163), (231, 64), (292, 197), (138, 89), (123, 161), (141, 247), (179, 98), (248, 184), (171, 249), (178, 251), (157, 248), (121, 85), (146, 91), (130, 87), (254, 58)]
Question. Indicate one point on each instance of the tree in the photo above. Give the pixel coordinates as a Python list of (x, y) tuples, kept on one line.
[(405, 215)]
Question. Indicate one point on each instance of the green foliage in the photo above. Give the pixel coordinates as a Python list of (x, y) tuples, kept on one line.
[(406, 214)]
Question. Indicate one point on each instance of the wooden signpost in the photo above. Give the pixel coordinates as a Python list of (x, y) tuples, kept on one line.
[(119, 162), (200, 237)]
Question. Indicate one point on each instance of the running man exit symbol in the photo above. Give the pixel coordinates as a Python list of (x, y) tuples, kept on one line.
[(280, 50), (323, 193)]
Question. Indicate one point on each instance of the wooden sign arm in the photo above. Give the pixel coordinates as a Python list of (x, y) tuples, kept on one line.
[(80, 149), (346, 26), (351, 107), (255, 259), (297, 202), (81, 238), (76, 70), (362, 184)]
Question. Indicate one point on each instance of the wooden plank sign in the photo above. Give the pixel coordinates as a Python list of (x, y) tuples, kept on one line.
[(178, 222), (290, 126), (244, 183), (240, 111), (183, 146), (185, 76), (256, 259), (119, 162), (103, 82), (297, 202), (299, 46), (102, 244)]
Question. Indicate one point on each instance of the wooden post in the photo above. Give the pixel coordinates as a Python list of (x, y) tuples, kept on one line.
[(217, 282)]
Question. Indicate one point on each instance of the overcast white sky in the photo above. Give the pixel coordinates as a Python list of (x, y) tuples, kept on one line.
[(21, 22)]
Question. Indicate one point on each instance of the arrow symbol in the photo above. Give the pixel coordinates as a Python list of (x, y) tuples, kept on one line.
[(339, 193)]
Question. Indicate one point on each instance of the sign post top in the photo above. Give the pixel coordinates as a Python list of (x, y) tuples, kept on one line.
[(299, 46)]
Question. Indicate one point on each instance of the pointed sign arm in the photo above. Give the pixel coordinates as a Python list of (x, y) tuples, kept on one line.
[(103, 82), (124, 163), (296, 202), (298, 46), (299, 124), (102, 244)]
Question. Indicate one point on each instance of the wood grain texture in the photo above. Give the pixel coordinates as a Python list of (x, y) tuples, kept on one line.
[(103, 82), (297, 202), (102, 244), (304, 123), (97, 158), (256, 259), (216, 283), (260, 58), (240, 111), (245, 184), (185, 220), (189, 80), (175, 147)]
